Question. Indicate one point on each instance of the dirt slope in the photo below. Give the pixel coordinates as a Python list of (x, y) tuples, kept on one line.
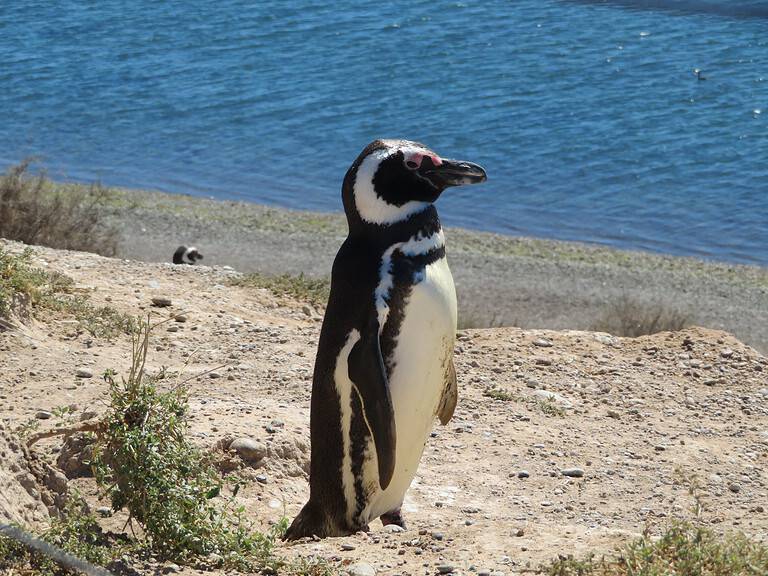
[(632, 415)]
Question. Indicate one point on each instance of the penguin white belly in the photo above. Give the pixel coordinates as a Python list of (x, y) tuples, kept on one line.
[(424, 348)]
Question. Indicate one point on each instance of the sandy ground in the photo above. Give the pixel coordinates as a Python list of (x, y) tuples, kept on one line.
[(634, 415), (500, 280)]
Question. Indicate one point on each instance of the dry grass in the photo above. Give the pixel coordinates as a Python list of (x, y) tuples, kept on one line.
[(301, 287), (631, 318), (34, 210)]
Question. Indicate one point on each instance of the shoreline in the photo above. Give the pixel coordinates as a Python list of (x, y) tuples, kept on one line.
[(500, 280)]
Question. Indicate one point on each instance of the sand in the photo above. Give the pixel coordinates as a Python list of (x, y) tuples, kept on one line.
[(640, 418), (500, 280)]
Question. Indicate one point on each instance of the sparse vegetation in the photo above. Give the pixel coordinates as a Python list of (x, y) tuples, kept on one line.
[(25, 290), (549, 406), (34, 210), (628, 317), (75, 531), (499, 394), (149, 467), (469, 320), (683, 549), (301, 287)]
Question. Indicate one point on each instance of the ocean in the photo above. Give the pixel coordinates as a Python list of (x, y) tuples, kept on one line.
[(587, 115)]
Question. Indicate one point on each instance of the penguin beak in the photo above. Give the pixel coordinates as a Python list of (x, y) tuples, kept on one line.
[(453, 173)]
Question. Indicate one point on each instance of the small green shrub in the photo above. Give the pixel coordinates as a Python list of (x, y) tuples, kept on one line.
[(684, 549), (34, 210), (75, 531), (628, 317), (301, 287), (499, 394), (148, 466)]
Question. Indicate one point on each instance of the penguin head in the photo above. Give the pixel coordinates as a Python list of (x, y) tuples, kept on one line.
[(393, 179)]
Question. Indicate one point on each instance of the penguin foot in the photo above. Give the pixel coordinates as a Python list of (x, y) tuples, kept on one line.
[(394, 517)]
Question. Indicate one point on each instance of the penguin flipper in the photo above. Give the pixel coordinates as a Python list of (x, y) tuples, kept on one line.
[(450, 395), (367, 373)]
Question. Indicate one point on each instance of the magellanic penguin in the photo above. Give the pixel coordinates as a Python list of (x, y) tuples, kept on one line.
[(384, 367), (184, 255)]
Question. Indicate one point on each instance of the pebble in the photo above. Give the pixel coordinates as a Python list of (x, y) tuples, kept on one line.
[(261, 479), (572, 472), (104, 511), (543, 361), (361, 569), (214, 375), (542, 343), (734, 487), (249, 449), (161, 302), (614, 414), (83, 373), (347, 547), (181, 319), (43, 415), (520, 533), (445, 568), (726, 352), (437, 535), (172, 329), (523, 474)]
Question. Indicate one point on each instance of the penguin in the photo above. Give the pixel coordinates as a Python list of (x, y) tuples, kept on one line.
[(184, 255), (384, 366)]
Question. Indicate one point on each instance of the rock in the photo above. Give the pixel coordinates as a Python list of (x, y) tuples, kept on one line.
[(43, 415), (542, 343), (84, 373), (437, 535), (543, 361), (56, 481), (181, 319), (445, 568), (734, 487), (361, 569), (75, 456), (520, 533), (572, 472), (88, 415), (613, 414), (726, 353), (347, 547), (215, 559), (104, 511), (214, 375), (161, 302), (261, 479), (393, 528), (548, 396), (20, 501), (523, 474), (249, 449)]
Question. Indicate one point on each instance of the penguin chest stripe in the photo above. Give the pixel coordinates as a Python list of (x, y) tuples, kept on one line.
[(418, 248)]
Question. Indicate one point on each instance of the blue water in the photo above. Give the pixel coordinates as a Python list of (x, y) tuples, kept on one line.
[(587, 115)]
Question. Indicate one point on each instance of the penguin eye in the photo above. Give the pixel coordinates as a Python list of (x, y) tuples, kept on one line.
[(411, 164)]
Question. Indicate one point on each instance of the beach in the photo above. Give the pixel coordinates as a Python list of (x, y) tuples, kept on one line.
[(500, 280)]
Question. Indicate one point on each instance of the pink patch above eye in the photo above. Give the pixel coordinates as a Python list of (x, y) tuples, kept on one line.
[(415, 159)]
